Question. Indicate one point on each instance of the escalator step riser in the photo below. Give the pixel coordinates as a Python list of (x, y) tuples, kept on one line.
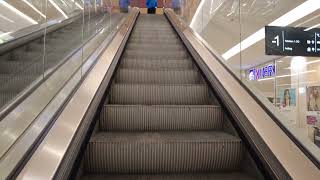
[(150, 156), (159, 94), (154, 32), (155, 47), (161, 77), (151, 41), (156, 54), (153, 35), (155, 59), (9, 67), (160, 118), (161, 38), (156, 64), (187, 176), (16, 83), (141, 27), (5, 97)]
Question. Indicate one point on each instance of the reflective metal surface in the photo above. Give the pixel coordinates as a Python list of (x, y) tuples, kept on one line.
[(297, 164), (56, 143)]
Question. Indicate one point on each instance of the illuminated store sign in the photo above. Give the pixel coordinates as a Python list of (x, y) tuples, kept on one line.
[(262, 72)]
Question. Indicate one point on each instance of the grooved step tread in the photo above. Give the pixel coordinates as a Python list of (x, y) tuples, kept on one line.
[(164, 137), (155, 41), (163, 152), (156, 64), (159, 94), (158, 76), (211, 176), (158, 54), (160, 117), (157, 46), (156, 59)]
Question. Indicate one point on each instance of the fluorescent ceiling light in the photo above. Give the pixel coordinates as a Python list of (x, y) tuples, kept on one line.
[(5, 18), (312, 27), (34, 8), (18, 12), (58, 8), (197, 13), (311, 19), (295, 14), (77, 4), (5, 34)]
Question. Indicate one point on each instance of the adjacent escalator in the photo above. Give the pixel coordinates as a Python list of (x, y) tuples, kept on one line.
[(160, 119), (20, 66)]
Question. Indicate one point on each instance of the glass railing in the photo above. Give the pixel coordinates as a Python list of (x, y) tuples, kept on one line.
[(281, 66), (36, 36)]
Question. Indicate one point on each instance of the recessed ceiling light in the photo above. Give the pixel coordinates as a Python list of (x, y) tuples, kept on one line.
[(34, 8), (58, 8), (13, 9)]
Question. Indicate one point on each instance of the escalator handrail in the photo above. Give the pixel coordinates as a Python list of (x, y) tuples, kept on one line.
[(196, 44)]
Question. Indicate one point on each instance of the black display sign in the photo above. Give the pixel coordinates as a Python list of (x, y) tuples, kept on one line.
[(292, 41)]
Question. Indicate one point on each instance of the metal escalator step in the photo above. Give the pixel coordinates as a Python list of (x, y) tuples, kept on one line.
[(156, 31), (153, 35), (158, 48), (234, 175), (155, 40), (9, 67), (155, 54), (160, 117), (155, 26), (159, 94), (163, 152), (158, 76), (160, 38), (147, 47), (156, 64), (5, 97), (16, 83), (156, 59), (23, 55)]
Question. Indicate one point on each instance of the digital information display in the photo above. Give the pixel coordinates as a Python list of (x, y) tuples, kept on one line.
[(292, 41)]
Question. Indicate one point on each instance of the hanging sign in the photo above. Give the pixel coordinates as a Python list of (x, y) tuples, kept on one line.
[(292, 41)]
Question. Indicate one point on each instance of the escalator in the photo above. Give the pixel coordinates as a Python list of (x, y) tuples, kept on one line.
[(160, 119), (20, 66)]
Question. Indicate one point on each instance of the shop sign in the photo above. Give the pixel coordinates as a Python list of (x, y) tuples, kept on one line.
[(262, 72)]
